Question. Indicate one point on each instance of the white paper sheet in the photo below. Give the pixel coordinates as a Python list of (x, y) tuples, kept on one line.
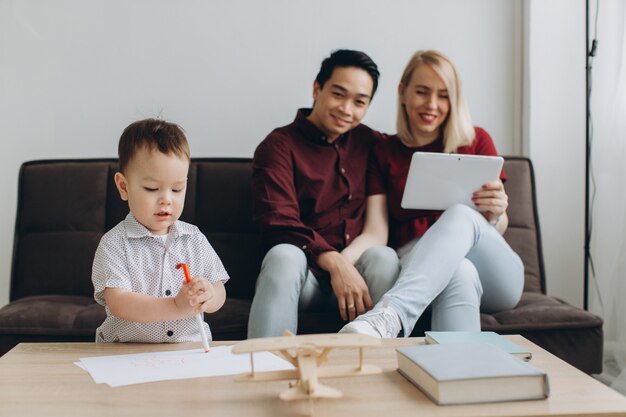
[(120, 370)]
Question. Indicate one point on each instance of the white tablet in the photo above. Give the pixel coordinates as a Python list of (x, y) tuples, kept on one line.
[(438, 180)]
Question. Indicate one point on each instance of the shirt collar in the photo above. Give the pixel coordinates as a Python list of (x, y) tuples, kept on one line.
[(134, 229), (310, 131)]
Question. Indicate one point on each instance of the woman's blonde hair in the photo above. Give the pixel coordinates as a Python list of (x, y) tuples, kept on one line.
[(458, 129)]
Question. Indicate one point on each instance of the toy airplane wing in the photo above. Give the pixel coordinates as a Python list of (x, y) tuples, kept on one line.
[(318, 341), (324, 372)]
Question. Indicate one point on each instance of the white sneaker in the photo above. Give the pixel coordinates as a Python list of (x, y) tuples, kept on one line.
[(382, 323)]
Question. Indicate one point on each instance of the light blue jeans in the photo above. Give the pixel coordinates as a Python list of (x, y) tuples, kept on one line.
[(461, 265), (286, 286)]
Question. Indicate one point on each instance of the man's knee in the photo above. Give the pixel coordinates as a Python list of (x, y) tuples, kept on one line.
[(284, 264), (379, 267), (285, 253), (379, 262)]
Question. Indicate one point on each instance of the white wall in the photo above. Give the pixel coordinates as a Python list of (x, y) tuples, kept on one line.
[(554, 120), (74, 73)]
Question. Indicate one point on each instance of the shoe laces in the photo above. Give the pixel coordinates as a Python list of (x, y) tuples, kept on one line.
[(384, 321)]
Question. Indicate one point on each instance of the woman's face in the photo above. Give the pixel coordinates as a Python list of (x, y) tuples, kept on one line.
[(426, 102)]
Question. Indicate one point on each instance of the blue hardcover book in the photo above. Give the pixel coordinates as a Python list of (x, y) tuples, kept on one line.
[(467, 373), (491, 338)]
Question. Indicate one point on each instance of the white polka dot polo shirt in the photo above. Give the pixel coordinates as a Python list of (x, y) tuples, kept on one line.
[(132, 258)]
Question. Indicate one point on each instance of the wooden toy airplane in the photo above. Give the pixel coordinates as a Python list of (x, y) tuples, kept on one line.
[(311, 351)]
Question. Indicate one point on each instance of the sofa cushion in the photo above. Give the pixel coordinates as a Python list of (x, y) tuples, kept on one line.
[(63, 196), (52, 314), (572, 334), (49, 263), (540, 312), (231, 321), (243, 270), (523, 232)]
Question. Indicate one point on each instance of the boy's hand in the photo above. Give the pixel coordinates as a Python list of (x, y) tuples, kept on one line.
[(195, 296), (183, 301), (201, 292)]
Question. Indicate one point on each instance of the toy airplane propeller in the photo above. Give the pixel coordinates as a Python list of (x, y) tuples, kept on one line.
[(311, 351)]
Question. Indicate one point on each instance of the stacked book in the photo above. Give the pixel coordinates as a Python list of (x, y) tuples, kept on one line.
[(462, 372)]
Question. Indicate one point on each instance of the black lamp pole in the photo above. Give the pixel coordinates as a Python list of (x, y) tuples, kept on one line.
[(588, 55)]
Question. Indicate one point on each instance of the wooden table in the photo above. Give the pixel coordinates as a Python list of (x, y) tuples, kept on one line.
[(42, 380)]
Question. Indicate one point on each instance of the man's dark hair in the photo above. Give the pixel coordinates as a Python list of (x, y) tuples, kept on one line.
[(154, 134), (348, 58)]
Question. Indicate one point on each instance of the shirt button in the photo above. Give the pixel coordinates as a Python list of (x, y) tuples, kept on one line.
[(168, 292), (343, 171), (170, 333), (347, 236), (324, 139), (304, 247), (349, 197)]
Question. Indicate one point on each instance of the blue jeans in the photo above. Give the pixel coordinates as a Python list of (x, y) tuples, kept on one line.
[(461, 265), (286, 286)]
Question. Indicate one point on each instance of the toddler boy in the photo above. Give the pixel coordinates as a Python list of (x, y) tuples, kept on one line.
[(134, 270)]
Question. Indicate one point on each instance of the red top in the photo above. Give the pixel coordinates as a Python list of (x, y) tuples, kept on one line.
[(308, 192), (387, 174)]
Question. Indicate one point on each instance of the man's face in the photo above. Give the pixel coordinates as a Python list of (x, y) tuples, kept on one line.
[(154, 185), (342, 102)]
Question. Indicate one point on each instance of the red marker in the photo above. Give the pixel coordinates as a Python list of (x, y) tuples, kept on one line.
[(186, 271), (205, 342)]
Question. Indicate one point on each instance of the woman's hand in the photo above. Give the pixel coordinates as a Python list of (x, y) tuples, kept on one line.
[(492, 201)]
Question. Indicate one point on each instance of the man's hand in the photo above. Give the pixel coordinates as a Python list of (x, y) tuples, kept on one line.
[(352, 294)]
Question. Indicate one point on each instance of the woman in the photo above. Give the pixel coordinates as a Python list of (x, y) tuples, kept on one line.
[(456, 260)]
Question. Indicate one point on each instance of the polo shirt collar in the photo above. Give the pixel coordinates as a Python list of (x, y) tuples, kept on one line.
[(134, 229), (310, 131)]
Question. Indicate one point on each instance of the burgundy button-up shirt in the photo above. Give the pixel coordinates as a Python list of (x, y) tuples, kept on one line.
[(308, 192)]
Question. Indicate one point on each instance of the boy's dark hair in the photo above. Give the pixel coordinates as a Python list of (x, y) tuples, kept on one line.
[(348, 58), (154, 134)]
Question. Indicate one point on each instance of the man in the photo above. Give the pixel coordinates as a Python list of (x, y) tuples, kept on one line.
[(308, 189)]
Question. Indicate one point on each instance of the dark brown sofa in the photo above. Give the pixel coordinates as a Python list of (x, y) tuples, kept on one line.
[(64, 207)]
